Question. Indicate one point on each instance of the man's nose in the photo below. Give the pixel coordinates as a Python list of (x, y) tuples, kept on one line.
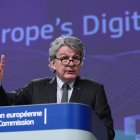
[(71, 63)]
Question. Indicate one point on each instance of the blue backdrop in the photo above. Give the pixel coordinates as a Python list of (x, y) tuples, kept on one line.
[(110, 31)]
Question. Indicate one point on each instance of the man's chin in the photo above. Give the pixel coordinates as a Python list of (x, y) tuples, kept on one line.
[(70, 77)]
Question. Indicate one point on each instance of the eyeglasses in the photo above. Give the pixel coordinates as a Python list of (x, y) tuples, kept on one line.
[(66, 61)]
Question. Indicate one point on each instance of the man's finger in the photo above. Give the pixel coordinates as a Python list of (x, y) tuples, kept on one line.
[(2, 59)]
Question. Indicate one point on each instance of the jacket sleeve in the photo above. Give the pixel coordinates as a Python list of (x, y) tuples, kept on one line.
[(4, 99), (18, 97), (102, 109)]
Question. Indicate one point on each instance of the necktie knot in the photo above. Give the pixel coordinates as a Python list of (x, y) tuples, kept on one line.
[(65, 86)]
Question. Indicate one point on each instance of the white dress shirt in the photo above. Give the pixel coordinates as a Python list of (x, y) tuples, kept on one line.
[(60, 90)]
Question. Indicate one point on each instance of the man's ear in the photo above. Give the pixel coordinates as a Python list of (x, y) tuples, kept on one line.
[(52, 65)]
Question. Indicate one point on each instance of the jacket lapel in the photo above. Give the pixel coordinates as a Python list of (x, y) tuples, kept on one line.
[(52, 91), (77, 91)]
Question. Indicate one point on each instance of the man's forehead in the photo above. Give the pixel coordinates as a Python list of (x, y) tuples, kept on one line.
[(66, 49)]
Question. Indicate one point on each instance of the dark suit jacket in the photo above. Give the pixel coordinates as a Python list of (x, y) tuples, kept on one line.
[(44, 91)]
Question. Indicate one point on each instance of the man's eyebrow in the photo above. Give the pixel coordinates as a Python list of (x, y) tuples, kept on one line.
[(62, 54)]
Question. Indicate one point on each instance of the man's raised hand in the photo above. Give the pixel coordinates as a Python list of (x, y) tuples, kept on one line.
[(2, 63)]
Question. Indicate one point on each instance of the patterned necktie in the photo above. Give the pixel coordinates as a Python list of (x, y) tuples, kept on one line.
[(65, 88)]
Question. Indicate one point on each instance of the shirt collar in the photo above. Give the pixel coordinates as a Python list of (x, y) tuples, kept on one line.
[(60, 83)]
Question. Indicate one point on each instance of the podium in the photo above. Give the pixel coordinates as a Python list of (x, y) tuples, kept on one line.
[(70, 121)]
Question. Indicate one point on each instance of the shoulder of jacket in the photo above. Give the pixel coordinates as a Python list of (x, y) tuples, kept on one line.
[(89, 81), (42, 80)]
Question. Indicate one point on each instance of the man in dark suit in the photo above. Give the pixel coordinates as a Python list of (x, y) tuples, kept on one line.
[(66, 59)]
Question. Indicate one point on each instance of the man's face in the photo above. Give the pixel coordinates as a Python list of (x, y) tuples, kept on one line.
[(66, 72)]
